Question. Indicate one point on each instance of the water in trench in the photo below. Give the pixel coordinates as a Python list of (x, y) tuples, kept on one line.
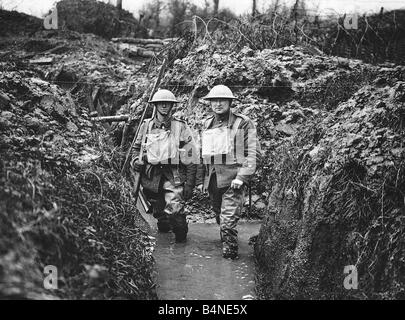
[(197, 270)]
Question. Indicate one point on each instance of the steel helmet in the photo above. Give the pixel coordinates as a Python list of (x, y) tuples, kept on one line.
[(163, 96), (218, 92)]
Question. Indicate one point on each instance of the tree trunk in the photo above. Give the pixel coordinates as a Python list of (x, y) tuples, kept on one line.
[(216, 5), (119, 4), (294, 11), (158, 9), (254, 8)]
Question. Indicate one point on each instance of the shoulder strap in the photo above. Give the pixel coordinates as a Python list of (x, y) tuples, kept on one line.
[(235, 126), (207, 122), (176, 129), (146, 129), (239, 115), (234, 131), (179, 119), (149, 124)]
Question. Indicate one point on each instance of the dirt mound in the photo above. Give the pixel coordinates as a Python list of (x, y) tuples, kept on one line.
[(337, 200), (16, 23), (102, 19), (291, 73), (83, 16), (64, 202), (91, 68)]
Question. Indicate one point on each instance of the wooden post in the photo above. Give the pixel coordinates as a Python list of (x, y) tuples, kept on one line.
[(118, 118), (250, 201)]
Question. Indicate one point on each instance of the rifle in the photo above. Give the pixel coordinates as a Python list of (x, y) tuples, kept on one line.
[(137, 175)]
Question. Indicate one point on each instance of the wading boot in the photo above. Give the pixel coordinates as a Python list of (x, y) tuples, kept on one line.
[(229, 254), (180, 233), (163, 226), (181, 236)]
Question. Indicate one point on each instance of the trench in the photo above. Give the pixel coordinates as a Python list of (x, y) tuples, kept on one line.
[(196, 270)]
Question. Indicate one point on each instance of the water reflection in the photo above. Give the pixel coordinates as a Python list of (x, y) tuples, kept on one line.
[(196, 269)]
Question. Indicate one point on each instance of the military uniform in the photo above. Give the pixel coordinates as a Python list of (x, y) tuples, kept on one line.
[(164, 182), (216, 176)]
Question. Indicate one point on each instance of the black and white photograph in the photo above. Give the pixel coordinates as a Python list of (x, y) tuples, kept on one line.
[(202, 156)]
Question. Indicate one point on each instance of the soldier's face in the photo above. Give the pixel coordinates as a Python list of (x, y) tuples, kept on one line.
[(220, 106), (164, 108)]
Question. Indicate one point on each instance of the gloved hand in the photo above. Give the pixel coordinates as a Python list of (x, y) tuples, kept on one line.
[(187, 192), (137, 165), (236, 184)]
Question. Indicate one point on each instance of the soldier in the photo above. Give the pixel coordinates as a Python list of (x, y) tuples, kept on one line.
[(167, 177), (230, 151)]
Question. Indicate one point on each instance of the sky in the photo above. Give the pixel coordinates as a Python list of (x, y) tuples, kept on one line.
[(40, 7)]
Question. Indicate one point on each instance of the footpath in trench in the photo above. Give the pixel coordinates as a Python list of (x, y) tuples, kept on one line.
[(197, 270)]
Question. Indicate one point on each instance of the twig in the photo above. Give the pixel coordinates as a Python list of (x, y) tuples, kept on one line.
[(235, 29), (99, 180)]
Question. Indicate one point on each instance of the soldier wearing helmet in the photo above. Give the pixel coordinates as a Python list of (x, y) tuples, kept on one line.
[(167, 178), (231, 152)]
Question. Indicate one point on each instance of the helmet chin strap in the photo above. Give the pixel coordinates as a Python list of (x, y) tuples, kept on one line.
[(164, 116)]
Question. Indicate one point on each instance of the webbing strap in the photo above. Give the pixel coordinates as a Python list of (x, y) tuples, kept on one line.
[(146, 129), (176, 131), (235, 127)]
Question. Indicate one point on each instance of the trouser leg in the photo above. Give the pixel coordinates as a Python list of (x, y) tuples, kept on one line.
[(227, 203), (215, 194), (174, 209), (231, 209), (157, 201)]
